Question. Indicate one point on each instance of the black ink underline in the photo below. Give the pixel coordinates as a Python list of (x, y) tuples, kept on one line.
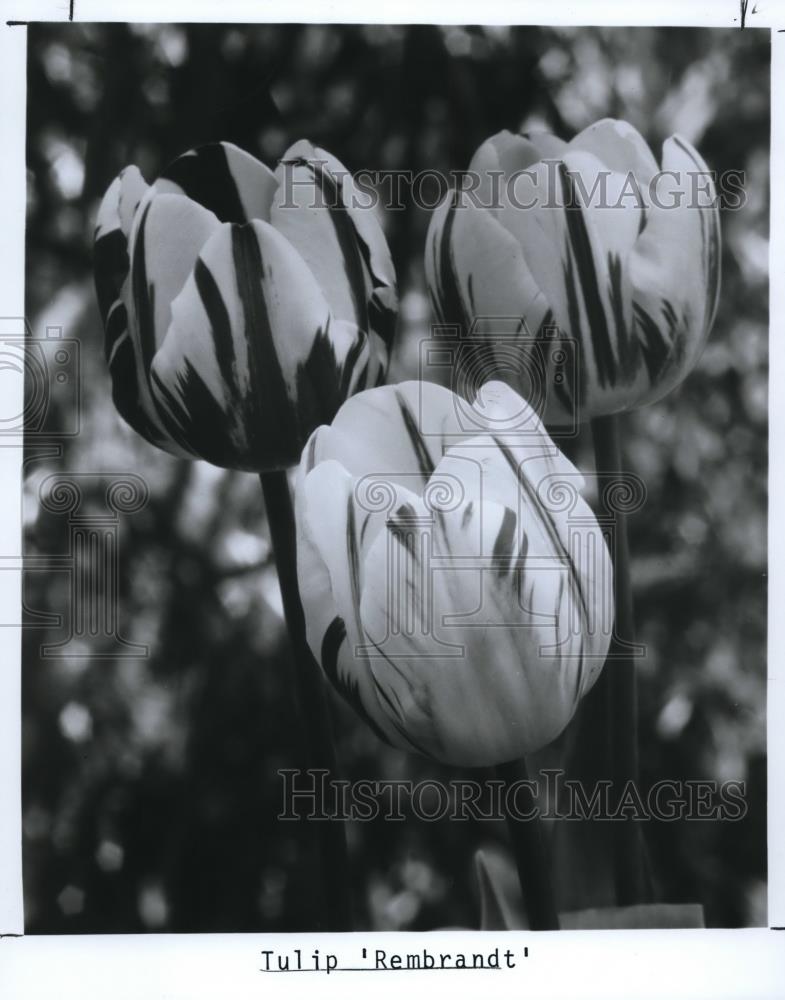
[(371, 968)]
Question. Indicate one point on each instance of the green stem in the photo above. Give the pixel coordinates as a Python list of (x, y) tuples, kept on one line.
[(531, 854), (620, 674), (320, 750)]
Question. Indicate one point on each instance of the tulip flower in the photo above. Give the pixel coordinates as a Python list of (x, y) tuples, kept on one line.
[(241, 306), (592, 239), (459, 609)]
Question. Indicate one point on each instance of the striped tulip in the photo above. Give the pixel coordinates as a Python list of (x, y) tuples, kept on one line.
[(588, 241), (449, 598), (241, 306)]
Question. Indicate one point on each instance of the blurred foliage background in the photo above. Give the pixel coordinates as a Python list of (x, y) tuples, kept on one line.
[(150, 784)]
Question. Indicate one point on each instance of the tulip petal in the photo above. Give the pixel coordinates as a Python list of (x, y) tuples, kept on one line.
[(548, 146), (675, 270), (576, 240), (559, 524), (505, 419), (499, 410), (308, 210), (490, 271), (381, 279), (112, 233), (479, 282), (252, 359), (620, 147), (230, 183), (333, 539), (399, 432), (126, 298), (490, 628), (528, 474), (133, 189), (510, 152), (446, 299), (111, 264), (504, 155), (515, 337), (475, 268), (119, 204), (319, 209), (417, 671), (169, 232)]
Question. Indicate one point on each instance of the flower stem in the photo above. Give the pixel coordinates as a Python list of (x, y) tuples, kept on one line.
[(620, 674), (531, 854), (319, 747)]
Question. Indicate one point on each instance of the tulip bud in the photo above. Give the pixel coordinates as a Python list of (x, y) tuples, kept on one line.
[(449, 597), (238, 318), (590, 240)]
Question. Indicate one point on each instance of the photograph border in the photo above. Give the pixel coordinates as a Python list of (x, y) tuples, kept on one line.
[(710, 963)]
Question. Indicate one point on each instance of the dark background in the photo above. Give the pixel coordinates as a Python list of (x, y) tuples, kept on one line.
[(150, 785)]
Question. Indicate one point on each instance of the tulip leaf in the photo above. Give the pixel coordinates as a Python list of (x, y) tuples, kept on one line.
[(655, 915), (500, 905)]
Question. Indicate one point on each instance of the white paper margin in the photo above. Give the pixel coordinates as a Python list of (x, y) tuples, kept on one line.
[(13, 100), (715, 964)]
